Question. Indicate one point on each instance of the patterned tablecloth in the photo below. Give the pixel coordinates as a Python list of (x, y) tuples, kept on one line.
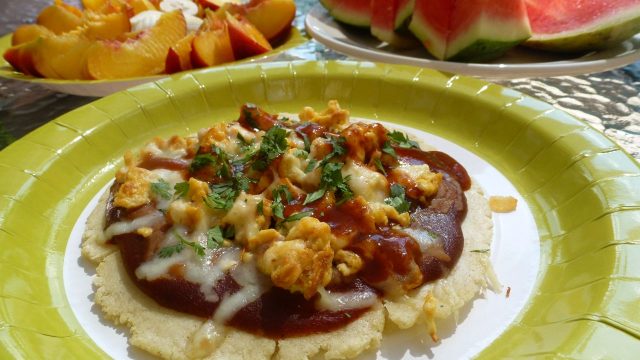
[(608, 101)]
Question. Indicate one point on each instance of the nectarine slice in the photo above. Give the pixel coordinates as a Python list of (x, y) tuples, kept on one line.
[(179, 56), (141, 55), (21, 58), (29, 32), (62, 56), (272, 17), (107, 26), (58, 19), (212, 43), (245, 38)]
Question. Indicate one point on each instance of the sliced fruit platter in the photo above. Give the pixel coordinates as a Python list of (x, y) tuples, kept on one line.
[(127, 39), (483, 30)]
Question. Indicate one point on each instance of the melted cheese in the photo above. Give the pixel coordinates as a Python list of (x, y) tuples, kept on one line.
[(125, 227), (206, 339), (369, 184), (253, 285), (334, 301), (243, 216)]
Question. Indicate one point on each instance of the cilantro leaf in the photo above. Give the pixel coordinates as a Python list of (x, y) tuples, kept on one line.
[(161, 188), (311, 197), (397, 199), (214, 237), (337, 149), (301, 154), (402, 140), (297, 216), (379, 166), (274, 143), (260, 208), (331, 178), (181, 189), (307, 142), (277, 208), (168, 251), (197, 248), (311, 165), (388, 149), (200, 161), (229, 232), (222, 196)]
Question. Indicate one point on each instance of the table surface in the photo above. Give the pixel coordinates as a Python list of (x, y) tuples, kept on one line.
[(609, 101)]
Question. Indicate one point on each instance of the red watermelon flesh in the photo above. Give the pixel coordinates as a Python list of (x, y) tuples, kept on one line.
[(469, 30), (352, 12), (430, 24), (581, 25), (383, 20), (553, 16)]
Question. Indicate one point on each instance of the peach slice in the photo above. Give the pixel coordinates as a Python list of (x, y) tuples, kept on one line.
[(272, 17), (29, 32), (216, 4), (58, 19), (141, 55), (212, 43), (107, 26), (179, 56), (62, 56), (21, 58), (246, 39), (138, 6)]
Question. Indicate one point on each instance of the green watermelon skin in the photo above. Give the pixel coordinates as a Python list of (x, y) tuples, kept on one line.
[(384, 14), (600, 28), (351, 12)]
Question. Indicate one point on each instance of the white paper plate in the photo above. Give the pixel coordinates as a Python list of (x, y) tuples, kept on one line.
[(519, 62)]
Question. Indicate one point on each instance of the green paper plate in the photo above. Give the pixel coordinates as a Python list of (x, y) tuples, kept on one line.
[(581, 187), (106, 87)]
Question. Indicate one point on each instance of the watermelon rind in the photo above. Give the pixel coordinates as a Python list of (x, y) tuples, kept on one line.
[(606, 33), (483, 50), (394, 39), (429, 38), (404, 15), (487, 39), (339, 10)]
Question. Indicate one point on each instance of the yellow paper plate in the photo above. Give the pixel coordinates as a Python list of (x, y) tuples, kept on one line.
[(582, 190), (106, 87)]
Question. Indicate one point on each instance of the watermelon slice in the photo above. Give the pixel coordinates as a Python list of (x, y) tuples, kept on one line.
[(388, 18), (469, 30), (352, 12), (581, 25)]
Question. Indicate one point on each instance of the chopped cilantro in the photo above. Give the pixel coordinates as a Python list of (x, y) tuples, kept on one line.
[(299, 153), (311, 165), (402, 140), (220, 162), (297, 216), (331, 178), (200, 161), (307, 142), (379, 166), (248, 116), (181, 189), (388, 149), (161, 188), (260, 208), (397, 199), (311, 197), (214, 237), (277, 207), (274, 143), (168, 251), (337, 149), (222, 196)]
